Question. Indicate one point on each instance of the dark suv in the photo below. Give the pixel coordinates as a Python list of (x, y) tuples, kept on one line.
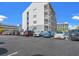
[(74, 35), (28, 33)]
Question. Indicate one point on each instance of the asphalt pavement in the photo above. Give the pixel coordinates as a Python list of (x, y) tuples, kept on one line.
[(37, 46)]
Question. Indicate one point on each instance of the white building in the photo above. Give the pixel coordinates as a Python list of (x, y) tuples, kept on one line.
[(39, 17)]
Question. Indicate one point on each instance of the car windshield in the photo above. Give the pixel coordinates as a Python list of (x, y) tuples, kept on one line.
[(60, 32)]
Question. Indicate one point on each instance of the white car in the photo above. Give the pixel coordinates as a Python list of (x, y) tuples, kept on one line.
[(59, 35), (6, 33), (36, 34), (22, 33)]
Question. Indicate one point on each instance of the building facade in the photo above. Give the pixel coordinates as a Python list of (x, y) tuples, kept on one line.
[(39, 17), (8, 28), (76, 27), (62, 27)]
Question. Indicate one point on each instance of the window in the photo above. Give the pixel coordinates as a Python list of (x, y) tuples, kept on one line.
[(46, 21), (45, 13), (34, 16), (46, 28), (34, 12), (34, 28), (27, 20), (34, 9), (27, 13), (34, 22), (45, 6)]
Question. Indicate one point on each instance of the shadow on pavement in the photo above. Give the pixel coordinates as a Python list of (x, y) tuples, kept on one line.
[(3, 51), (37, 55), (1, 42)]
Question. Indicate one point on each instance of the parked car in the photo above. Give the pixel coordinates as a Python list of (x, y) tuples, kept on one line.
[(46, 34), (59, 35), (28, 33), (16, 32), (52, 33), (21, 33), (6, 33), (74, 35), (66, 36), (36, 34), (41, 34)]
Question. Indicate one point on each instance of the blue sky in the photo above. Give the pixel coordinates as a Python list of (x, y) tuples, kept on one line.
[(11, 13), (67, 12)]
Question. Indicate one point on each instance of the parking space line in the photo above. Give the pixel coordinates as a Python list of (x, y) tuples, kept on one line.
[(14, 53)]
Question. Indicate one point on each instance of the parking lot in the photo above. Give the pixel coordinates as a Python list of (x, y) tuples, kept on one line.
[(30, 46)]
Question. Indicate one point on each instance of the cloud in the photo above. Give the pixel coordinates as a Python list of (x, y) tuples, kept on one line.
[(18, 24), (72, 27), (75, 17), (2, 18), (65, 22)]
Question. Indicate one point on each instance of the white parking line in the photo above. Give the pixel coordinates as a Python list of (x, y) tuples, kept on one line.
[(13, 54)]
